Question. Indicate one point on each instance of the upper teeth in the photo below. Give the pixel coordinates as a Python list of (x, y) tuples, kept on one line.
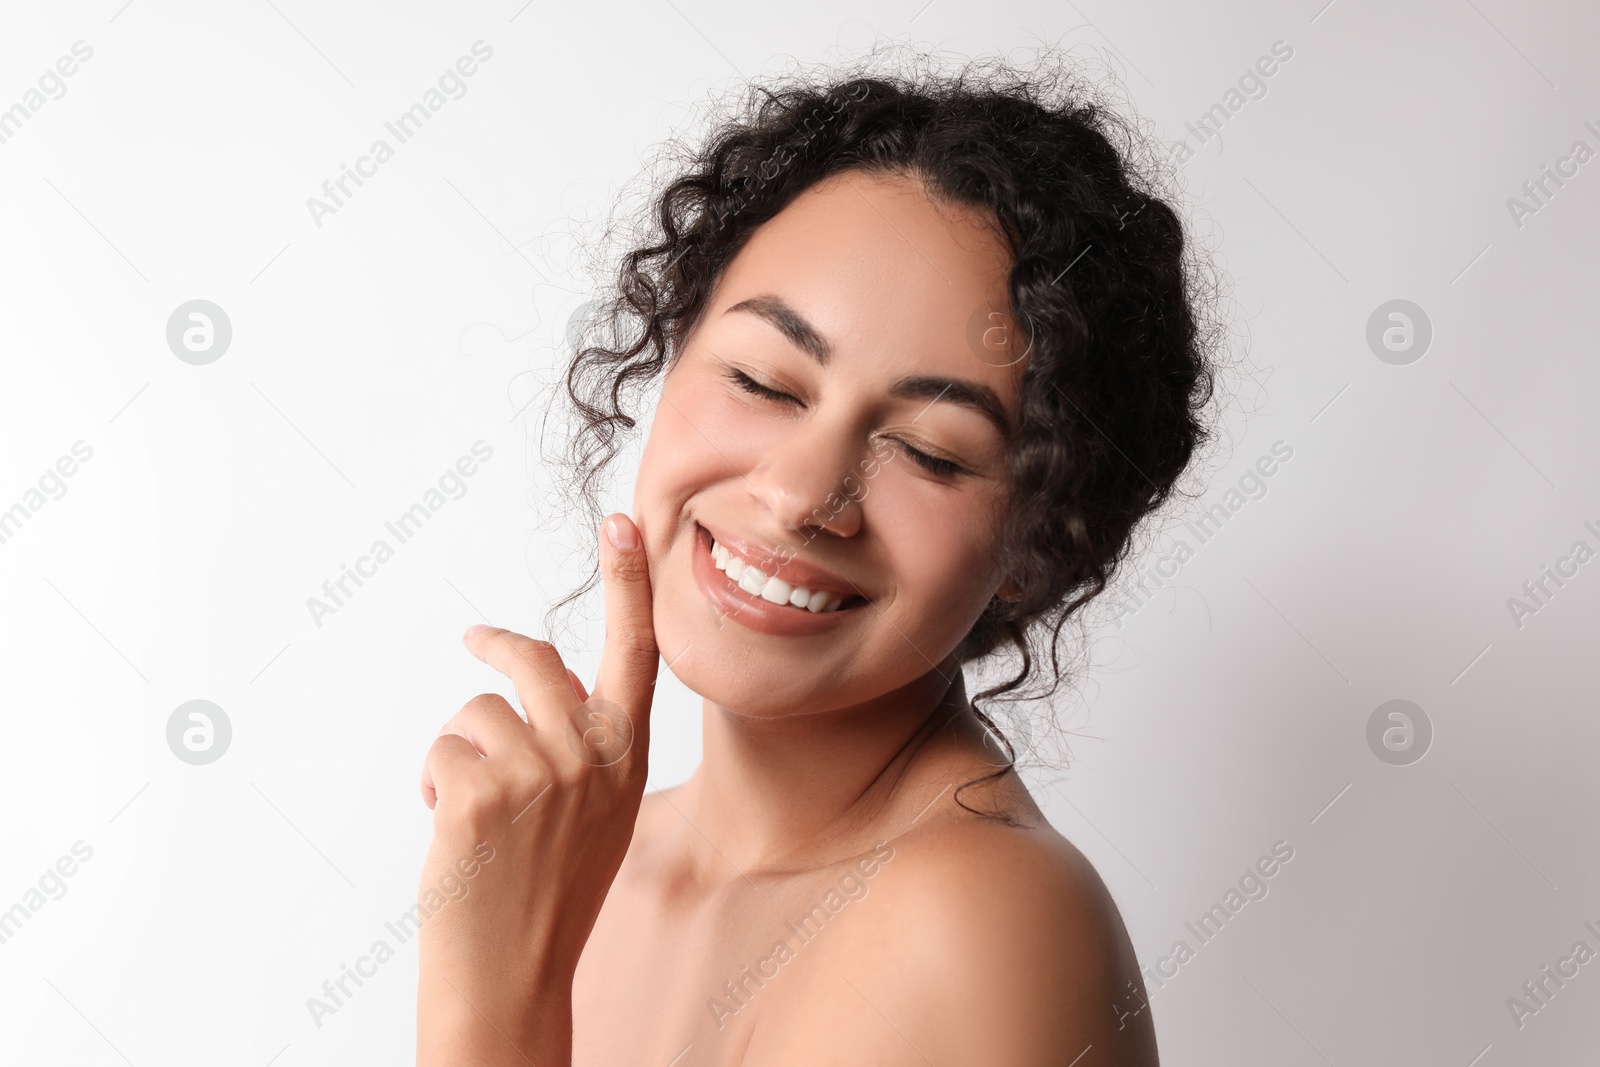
[(755, 581)]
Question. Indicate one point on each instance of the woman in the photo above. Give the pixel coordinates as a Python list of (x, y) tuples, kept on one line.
[(927, 349)]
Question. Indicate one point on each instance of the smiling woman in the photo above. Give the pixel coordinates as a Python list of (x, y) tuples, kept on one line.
[(847, 494)]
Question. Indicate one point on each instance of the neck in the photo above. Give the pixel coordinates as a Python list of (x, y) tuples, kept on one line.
[(781, 793)]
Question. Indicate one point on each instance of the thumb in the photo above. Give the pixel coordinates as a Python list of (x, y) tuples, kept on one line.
[(629, 659)]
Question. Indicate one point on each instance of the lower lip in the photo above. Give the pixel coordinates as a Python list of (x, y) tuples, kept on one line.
[(753, 612)]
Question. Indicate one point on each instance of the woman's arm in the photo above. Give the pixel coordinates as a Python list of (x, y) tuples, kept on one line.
[(449, 1031), (531, 820)]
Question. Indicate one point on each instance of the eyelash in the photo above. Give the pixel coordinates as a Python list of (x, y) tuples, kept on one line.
[(932, 464)]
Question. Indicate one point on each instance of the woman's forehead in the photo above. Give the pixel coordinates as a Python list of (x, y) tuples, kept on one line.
[(876, 268)]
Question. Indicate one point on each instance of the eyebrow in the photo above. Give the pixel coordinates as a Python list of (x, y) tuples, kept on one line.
[(965, 392), (790, 323)]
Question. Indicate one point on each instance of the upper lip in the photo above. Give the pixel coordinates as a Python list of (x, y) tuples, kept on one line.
[(778, 564)]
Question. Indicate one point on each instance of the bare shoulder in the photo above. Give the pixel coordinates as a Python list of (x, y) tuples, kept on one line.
[(986, 942)]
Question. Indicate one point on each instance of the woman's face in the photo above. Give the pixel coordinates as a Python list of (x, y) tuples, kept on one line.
[(879, 316)]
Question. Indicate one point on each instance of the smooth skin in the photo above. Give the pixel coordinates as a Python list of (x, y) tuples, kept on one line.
[(813, 894)]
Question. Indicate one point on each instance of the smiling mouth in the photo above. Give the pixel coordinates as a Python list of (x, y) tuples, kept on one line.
[(756, 584)]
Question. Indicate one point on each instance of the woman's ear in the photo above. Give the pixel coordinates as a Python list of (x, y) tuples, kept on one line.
[(1009, 590)]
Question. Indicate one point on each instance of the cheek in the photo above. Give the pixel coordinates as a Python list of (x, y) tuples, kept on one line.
[(701, 436), (941, 565), (691, 449), (677, 456)]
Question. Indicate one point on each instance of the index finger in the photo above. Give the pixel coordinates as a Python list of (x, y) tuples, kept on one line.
[(630, 658), (543, 684)]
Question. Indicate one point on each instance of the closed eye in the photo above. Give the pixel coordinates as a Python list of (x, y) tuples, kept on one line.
[(750, 385), (932, 464)]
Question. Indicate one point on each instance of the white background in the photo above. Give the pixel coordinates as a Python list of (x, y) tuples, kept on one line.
[(372, 351)]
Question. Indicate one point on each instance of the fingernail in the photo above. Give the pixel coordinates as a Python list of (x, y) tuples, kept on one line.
[(625, 539), (475, 629)]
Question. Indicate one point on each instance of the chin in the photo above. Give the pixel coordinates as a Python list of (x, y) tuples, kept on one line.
[(726, 666)]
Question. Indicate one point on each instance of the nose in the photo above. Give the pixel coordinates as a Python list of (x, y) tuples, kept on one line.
[(811, 481)]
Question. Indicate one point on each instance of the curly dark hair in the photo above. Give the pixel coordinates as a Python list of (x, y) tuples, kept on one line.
[(1113, 301)]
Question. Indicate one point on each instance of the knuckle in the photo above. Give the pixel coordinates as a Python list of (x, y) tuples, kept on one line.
[(530, 764), (638, 640), (484, 702), (442, 745), (481, 795), (570, 775), (630, 566), (533, 647), (488, 706), (540, 656), (631, 766)]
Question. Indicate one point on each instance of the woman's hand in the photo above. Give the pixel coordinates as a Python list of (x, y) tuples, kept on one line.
[(533, 819)]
